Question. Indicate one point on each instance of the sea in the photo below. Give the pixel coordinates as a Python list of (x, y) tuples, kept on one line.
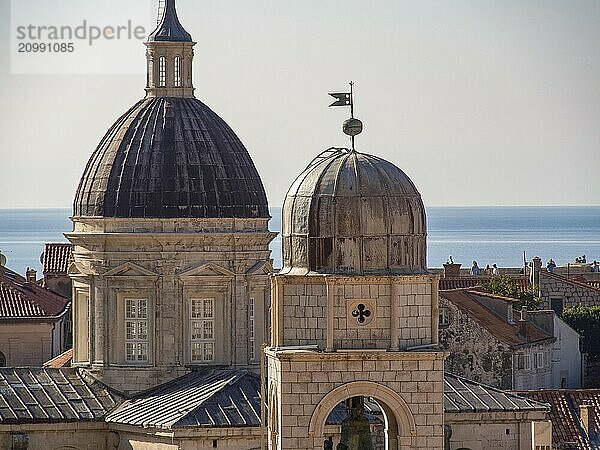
[(489, 235)]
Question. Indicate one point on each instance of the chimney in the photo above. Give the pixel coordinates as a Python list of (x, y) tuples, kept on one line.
[(536, 267), (451, 269), (523, 324), (31, 275), (586, 415)]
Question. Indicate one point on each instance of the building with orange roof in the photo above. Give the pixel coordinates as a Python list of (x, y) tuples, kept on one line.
[(34, 321)]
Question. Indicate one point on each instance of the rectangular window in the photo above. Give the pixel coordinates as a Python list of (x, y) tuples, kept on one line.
[(162, 71), (177, 71), (539, 363), (150, 73), (444, 317), (136, 330), (528, 362), (251, 332), (202, 329), (82, 326), (520, 360)]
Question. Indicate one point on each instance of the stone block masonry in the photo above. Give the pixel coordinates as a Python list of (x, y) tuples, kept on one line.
[(305, 386)]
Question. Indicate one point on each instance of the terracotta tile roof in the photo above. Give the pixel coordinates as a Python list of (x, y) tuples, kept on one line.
[(463, 395), (212, 398), (37, 395), (567, 429), (19, 299), (56, 258), (497, 326), (481, 293), (472, 281), (62, 360)]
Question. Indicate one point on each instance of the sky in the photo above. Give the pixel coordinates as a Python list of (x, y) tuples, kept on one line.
[(479, 102)]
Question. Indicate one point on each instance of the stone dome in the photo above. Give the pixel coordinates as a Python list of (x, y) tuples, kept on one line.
[(353, 213), (170, 158)]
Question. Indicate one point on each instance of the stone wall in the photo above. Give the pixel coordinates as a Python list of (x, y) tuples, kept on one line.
[(132, 438), (474, 352), (537, 374), (497, 430), (370, 312), (572, 293), (74, 436), (304, 386), (29, 343), (305, 314), (349, 333)]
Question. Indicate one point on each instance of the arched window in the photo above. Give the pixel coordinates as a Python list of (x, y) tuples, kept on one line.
[(162, 71), (2, 360), (177, 71), (150, 72)]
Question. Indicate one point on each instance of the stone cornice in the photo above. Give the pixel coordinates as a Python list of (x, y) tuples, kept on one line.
[(501, 417), (284, 354), (172, 239), (176, 225), (315, 278)]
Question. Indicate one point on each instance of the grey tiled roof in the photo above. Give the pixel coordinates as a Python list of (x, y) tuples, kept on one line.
[(36, 395), (462, 395), (214, 398)]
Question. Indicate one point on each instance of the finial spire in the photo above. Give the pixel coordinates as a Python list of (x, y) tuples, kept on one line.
[(351, 127), (169, 28)]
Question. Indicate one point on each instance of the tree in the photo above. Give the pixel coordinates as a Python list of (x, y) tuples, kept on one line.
[(508, 287), (586, 321)]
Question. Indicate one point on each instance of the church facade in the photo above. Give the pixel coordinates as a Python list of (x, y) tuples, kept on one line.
[(185, 338)]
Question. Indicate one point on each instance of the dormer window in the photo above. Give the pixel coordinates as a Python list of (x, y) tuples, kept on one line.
[(162, 71), (177, 71)]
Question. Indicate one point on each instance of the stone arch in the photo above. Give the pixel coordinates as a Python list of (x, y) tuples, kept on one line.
[(394, 407)]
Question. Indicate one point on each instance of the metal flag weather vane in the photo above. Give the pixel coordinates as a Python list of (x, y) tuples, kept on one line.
[(351, 127)]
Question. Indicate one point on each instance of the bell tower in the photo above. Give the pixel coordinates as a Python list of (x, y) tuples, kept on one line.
[(169, 55), (355, 311)]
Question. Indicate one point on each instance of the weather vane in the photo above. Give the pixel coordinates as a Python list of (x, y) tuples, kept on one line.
[(351, 127)]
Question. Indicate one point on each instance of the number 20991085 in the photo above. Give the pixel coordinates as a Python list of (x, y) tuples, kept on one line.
[(42, 47)]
